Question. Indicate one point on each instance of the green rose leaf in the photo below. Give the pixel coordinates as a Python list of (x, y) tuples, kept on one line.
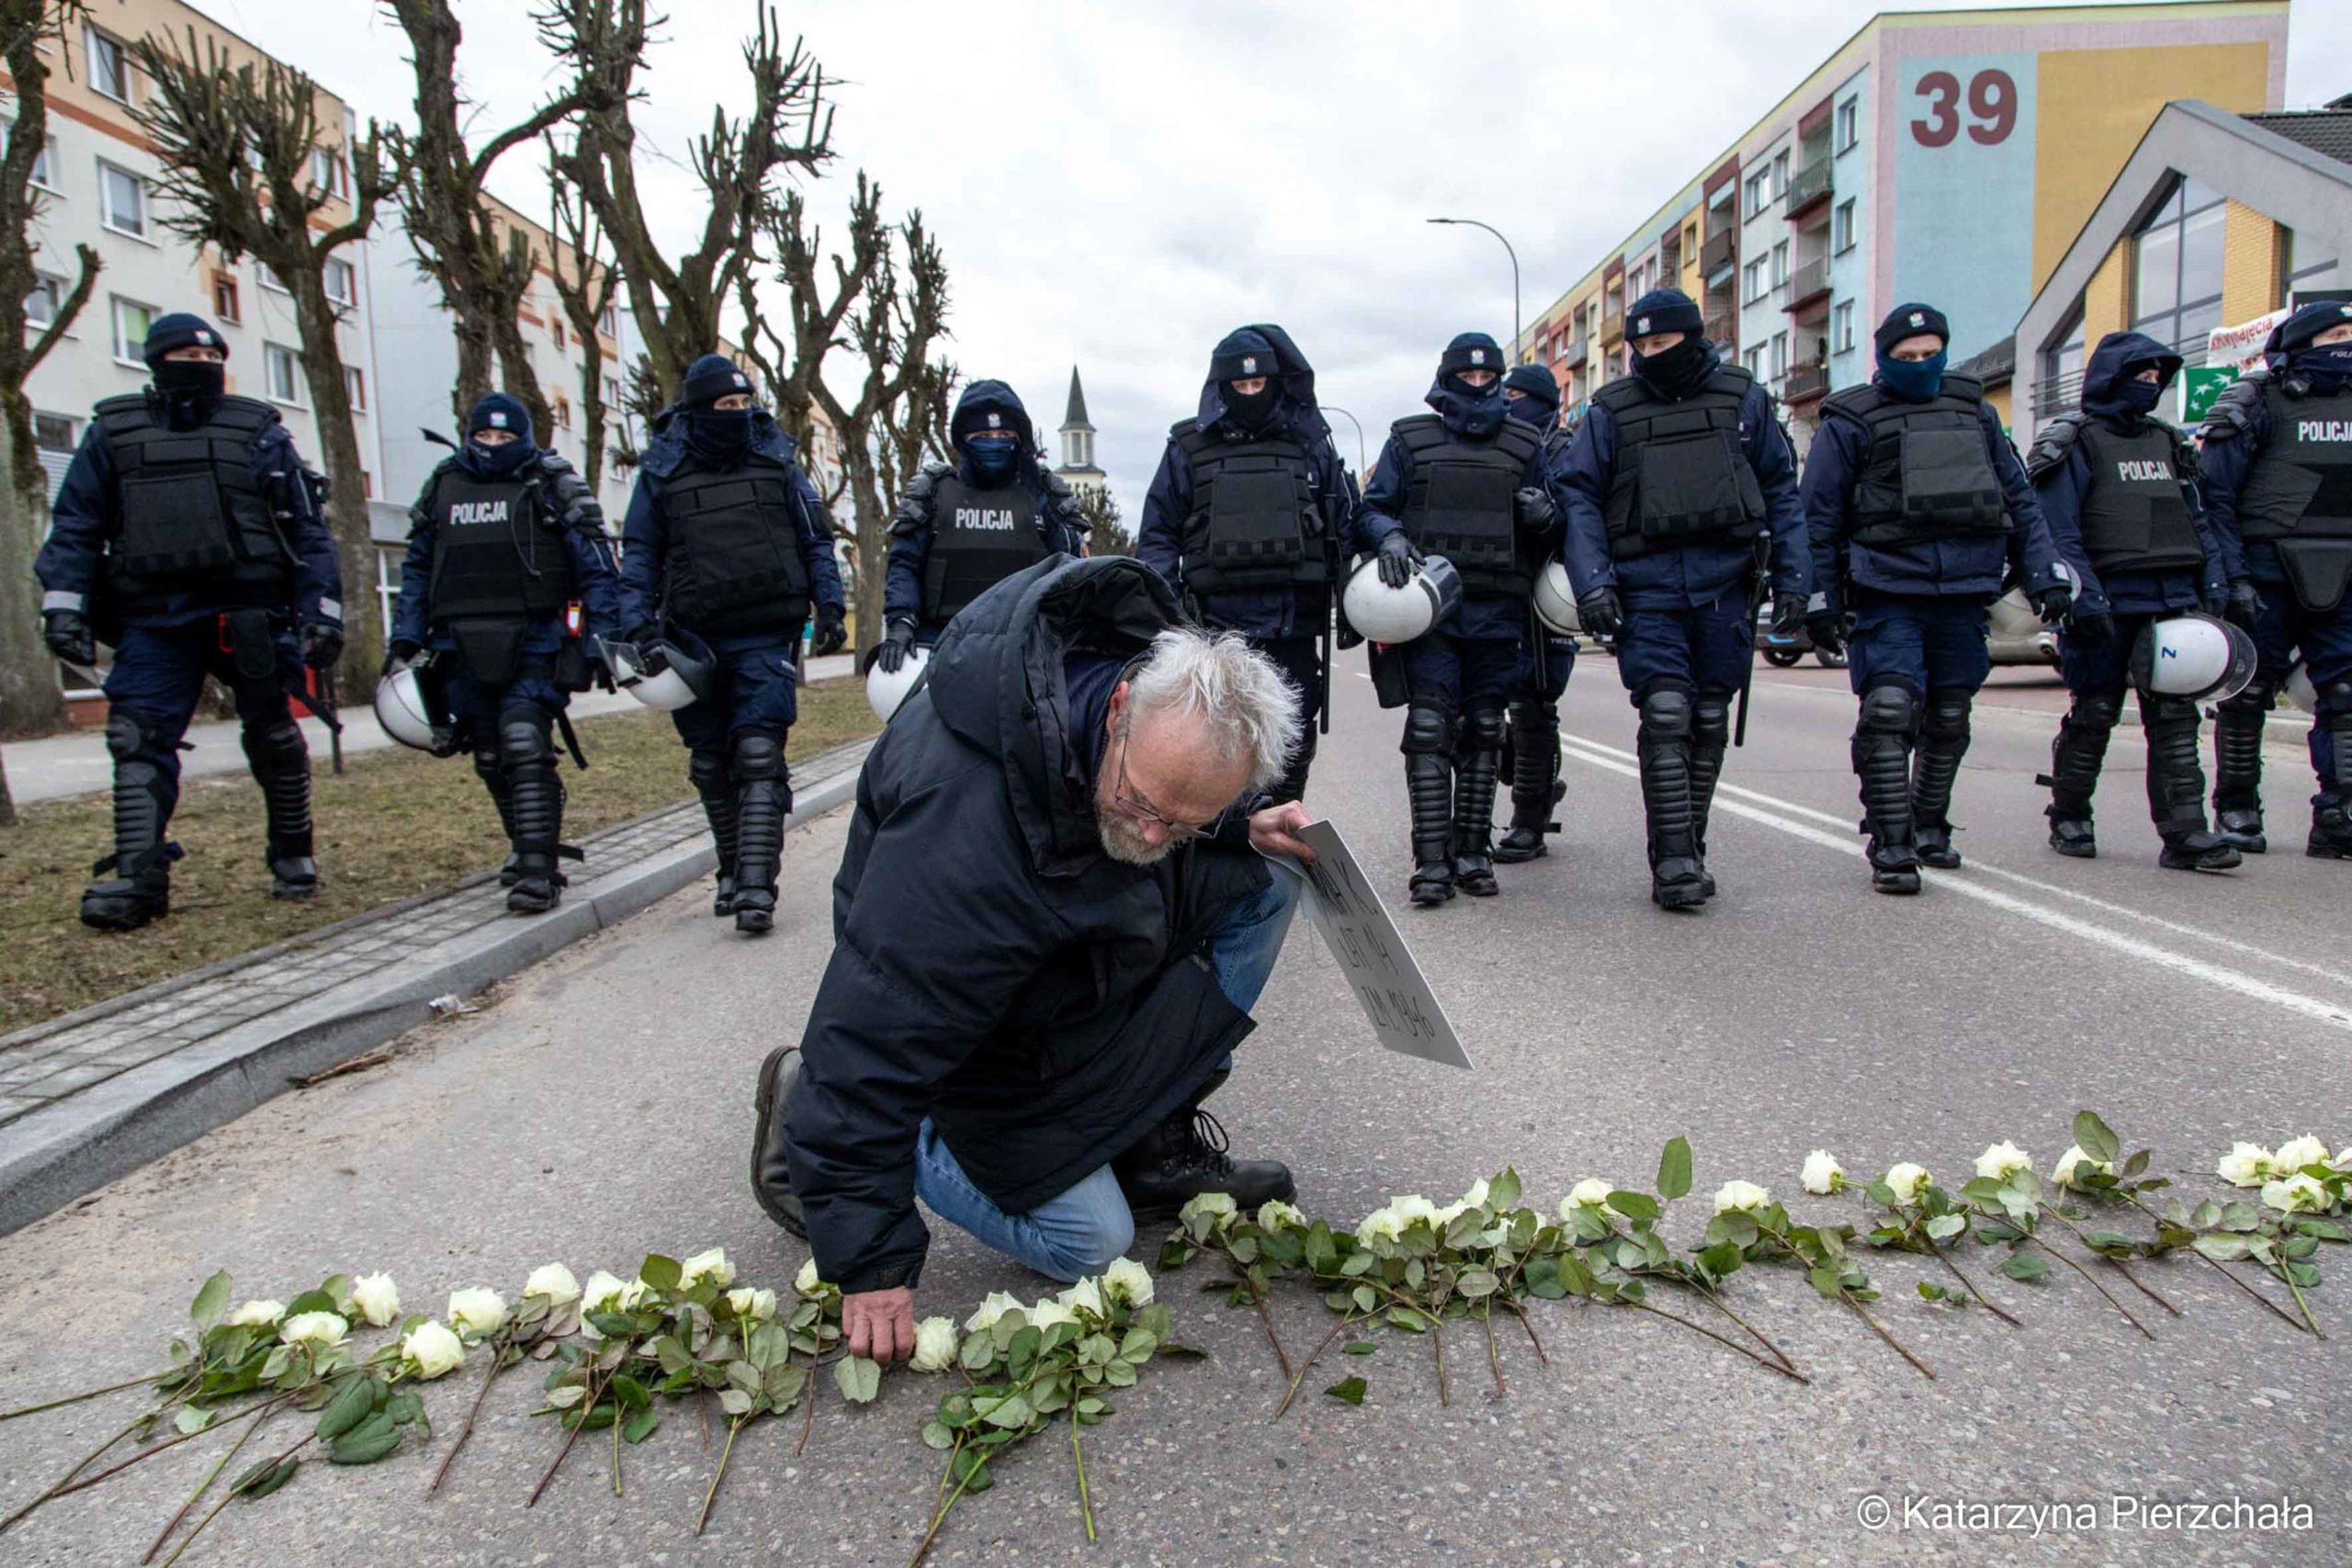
[(735, 1402), (353, 1403), (211, 1304), (1673, 1171), (2097, 1138), (1359, 1348), (639, 1425), (660, 1273), (2025, 1267), (267, 1477), (1477, 1283), (1010, 1413), (192, 1419), (368, 1442), (938, 1435), (1502, 1192), (1349, 1390), (1943, 1227), (406, 1408), (860, 1379), (1635, 1205)]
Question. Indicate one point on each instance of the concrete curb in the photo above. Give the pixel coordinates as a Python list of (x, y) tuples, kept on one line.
[(56, 1155)]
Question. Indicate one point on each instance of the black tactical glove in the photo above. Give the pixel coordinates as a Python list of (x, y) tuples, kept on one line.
[(69, 636), (893, 652), (644, 635), (1600, 613), (401, 654), (832, 629), (2091, 625), (2242, 606), (1827, 630), (1397, 558), (1532, 506), (2053, 604), (322, 644), (1788, 614)]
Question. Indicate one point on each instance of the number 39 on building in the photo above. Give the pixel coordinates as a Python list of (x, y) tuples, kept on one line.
[(1992, 105)]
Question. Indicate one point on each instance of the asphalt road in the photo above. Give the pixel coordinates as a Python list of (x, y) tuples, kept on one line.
[(600, 1108)]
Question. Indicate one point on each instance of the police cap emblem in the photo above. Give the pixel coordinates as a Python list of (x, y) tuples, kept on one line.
[(206, 337), (1918, 320), (1248, 364), (1477, 357), (1642, 326), (497, 420), (996, 422)]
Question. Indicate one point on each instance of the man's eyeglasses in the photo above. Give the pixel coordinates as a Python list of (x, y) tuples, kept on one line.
[(1133, 806)]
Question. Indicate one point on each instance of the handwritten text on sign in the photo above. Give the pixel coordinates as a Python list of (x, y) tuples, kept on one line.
[(1371, 953)]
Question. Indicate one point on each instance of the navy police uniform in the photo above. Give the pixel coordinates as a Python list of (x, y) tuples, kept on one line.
[(1531, 738)]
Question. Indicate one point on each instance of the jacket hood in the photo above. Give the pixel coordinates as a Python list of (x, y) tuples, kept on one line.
[(997, 684), (2113, 361), (668, 447), (982, 399), (1300, 413)]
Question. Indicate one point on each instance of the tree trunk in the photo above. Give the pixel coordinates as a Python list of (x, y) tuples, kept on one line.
[(873, 531), (363, 651), (516, 375), (476, 357), (30, 702)]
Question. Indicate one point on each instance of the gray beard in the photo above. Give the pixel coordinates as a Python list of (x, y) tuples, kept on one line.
[(1125, 842)]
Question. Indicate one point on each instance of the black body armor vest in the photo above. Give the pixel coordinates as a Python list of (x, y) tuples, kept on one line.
[(2300, 486), (1254, 521), (2134, 516), (495, 551), (1925, 475), (192, 508), (1681, 475), (1459, 501), (733, 566), (979, 537)]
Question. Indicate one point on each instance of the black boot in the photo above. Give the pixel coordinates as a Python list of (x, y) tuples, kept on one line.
[(1943, 741), (494, 779), (771, 1176), (1428, 790), (707, 772), (1710, 738), (2237, 768), (282, 765), (534, 795), (1477, 763), (763, 800), (2075, 756), (1663, 747), (1536, 786), (1881, 751), (2176, 788), (141, 889), (2330, 835), (1185, 1156)]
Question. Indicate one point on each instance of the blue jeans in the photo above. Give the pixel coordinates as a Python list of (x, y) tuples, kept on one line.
[(1077, 1232)]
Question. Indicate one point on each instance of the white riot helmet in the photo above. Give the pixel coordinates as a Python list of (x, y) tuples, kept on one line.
[(669, 673), (2299, 689), (1555, 600), (1391, 615), (2198, 656), (408, 714), (886, 689)]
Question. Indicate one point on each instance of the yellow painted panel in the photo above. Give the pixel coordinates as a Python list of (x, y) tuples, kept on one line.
[(2107, 299), (2249, 263), (1999, 398), (2096, 104)]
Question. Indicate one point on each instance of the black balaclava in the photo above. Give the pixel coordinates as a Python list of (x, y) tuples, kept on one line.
[(2325, 369), (717, 435), (1672, 373), (1913, 380), (1475, 413), (2111, 392), (1239, 357), (499, 411), (191, 388), (991, 432), (1538, 402)]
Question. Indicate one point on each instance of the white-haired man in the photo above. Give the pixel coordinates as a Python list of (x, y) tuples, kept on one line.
[(1062, 894)]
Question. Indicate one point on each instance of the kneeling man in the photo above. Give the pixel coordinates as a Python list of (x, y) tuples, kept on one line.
[(1057, 904)]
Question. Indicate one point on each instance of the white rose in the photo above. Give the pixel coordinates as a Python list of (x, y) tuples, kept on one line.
[(1908, 1181), (554, 1282), (751, 1305), (805, 1282), (602, 1292), (1822, 1171), (319, 1330), (1413, 1206), (1478, 1195), (258, 1314), (1129, 1281), (377, 1299), (476, 1313), (936, 1345), (1219, 1204), (1590, 1193), (2296, 1153), (632, 1296), (2296, 1195), (1085, 1297), (1743, 1196), (1274, 1215), (1381, 1225), (2343, 1160), (429, 1350), (712, 1266), (1048, 1312), (2246, 1164), (2075, 1163), (2002, 1160), (998, 1303)]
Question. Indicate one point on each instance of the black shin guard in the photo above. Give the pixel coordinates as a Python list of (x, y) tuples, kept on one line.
[(707, 771), (763, 800), (1710, 740), (282, 765), (1478, 755), (2330, 835), (1943, 741), (1881, 752), (534, 797), (2176, 787), (2075, 756), (1663, 747), (1429, 789), (141, 888), (2237, 766), (494, 779), (1535, 780)]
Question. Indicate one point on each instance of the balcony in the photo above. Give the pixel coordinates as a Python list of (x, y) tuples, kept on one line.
[(1719, 253), (1612, 320), (1809, 287), (1722, 327), (1808, 190), (1579, 348), (1804, 383)]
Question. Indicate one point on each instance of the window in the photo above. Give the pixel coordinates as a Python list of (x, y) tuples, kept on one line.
[(612, 390), (1841, 326), (122, 200), (54, 432), (1755, 289), (342, 281), (355, 387), (2061, 381), (561, 413), (327, 171), (281, 370), (225, 303), (132, 321), (44, 162), (2295, 266), (1841, 227), (1780, 354), (1755, 362), (1780, 265), (1756, 182), (269, 280), (41, 304), (109, 65), (1849, 117), (2176, 266), (555, 328), (1780, 174)]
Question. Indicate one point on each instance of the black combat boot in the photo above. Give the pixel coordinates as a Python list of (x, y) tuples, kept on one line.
[(1710, 738), (536, 794), (1943, 741), (771, 1176), (2075, 756), (282, 765), (2176, 788), (707, 771), (141, 889), (2330, 835), (1663, 747), (1477, 763), (763, 800), (2237, 768), (1428, 786), (1881, 750), (1536, 786), (1185, 1156), (494, 779)]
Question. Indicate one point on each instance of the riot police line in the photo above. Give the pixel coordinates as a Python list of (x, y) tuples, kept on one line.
[(1669, 524)]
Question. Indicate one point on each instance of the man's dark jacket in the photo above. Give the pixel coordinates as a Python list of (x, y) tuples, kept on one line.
[(993, 968)]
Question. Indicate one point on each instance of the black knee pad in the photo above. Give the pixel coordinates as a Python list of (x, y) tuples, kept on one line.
[(128, 737), (757, 755), (2096, 710), (1482, 729), (486, 762), (522, 738), (706, 770), (2169, 712), (1946, 717), (276, 748), (1667, 709), (2333, 701), (1711, 714), (1888, 708), (1428, 730), (2257, 699)]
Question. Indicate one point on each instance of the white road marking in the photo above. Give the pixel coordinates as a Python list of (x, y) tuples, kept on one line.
[(1612, 759)]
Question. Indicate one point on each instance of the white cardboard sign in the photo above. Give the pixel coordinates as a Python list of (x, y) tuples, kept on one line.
[(1405, 1013)]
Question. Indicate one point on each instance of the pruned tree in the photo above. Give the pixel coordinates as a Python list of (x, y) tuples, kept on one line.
[(236, 143), (792, 363), (741, 164), (587, 287), (482, 266), (1106, 534), (29, 700)]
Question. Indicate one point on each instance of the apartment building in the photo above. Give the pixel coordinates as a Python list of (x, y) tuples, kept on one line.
[(1950, 156)]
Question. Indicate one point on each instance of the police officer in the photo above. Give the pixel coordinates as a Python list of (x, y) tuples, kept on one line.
[(2118, 486), (1247, 510), (1676, 474), (961, 529), (1465, 482), (2278, 477), (726, 539), (1919, 513), (508, 576), (187, 534), (1531, 744)]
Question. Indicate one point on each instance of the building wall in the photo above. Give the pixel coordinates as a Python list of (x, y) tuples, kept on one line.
[(1853, 171), (2250, 263), (2106, 302)]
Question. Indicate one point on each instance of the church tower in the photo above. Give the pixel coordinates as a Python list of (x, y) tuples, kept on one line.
[(1077, 469)]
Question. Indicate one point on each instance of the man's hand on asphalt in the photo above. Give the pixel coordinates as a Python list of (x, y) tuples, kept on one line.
[(1273, 830), (879, 1325)]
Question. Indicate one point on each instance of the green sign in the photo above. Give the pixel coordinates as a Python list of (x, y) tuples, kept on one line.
[(2199, 389)]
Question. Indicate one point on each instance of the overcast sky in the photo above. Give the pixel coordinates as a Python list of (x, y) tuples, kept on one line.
[(1117, 186)]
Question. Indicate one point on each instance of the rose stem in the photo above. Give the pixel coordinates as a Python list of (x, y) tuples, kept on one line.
[(572, 1436), (1528, 1324), (78, 1398), (724, 1455), (1864, 1313), (214, 1474), (1732, 1345), (1753, 1332), (619, 1418), (497, 1365), (230, 1497), (1300, 1376), (89, 1481), (941, 1518), (2298, 1292), (1275, 1339), (1437, 1338), (1494, 1355), (1983, 1300), (1085, 1503), (2094, 1285), (2119, 1263), (808, 1418), (67, 1480)]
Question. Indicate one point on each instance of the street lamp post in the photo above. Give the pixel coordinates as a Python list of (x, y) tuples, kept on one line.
[(1497, 233), (1334, 408)]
